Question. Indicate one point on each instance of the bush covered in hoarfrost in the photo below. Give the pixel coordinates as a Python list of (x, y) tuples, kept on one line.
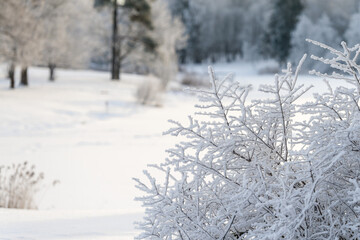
[(252, 170), (149, 92)]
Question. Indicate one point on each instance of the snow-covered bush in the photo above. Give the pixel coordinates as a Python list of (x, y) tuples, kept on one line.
[(192, 79), (149, 92), (19, 185), (253, 170)]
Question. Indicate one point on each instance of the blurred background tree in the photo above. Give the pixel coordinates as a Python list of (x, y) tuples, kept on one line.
[(135, 18), (282, 22)]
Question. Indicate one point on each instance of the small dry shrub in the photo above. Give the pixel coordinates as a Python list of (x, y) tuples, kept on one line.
[(149, 92), (19, 185)]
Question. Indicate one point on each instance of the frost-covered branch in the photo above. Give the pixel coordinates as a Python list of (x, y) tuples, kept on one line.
[(252, 170)]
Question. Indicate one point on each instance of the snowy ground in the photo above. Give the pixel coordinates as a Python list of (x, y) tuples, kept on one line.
[(61, 224), (88, 132)]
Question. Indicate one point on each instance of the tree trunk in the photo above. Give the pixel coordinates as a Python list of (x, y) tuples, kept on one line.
[(24, 76), (52, 72), (115, 67), (11, 75)]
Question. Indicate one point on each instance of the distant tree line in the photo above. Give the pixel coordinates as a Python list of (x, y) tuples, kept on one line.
[(136, 35), (229, 29)]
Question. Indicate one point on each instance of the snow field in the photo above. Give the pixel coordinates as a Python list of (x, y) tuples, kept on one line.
[(88, 132)]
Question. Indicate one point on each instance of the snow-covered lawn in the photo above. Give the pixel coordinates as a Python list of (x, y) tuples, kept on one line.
[(66, 224), (88, 132)]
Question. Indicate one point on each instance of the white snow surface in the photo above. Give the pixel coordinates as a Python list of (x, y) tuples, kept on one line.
[(90, 134)]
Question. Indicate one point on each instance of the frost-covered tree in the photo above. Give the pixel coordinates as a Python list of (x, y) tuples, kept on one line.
[(324, 32), (321, 31), (339, 12), (8, 53), (169, 34), (352, 34), (304, 30), (254, 29), (253, 170), (21, 31), (51, 32), (67, 40), (54, 34)]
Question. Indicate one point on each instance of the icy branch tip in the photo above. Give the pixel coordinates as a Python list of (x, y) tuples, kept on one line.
[(210, 69)]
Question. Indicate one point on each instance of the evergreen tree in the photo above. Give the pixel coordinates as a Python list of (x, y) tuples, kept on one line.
[(282, 23), (137, 11)]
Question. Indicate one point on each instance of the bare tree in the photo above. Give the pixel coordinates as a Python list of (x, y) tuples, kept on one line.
[(20, 27), (52, 32), (66, 35)]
